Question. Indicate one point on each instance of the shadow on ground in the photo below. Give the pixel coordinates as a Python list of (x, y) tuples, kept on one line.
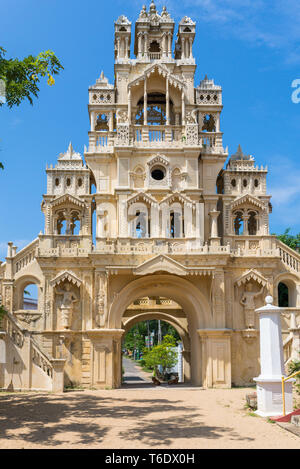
[(50, 419)]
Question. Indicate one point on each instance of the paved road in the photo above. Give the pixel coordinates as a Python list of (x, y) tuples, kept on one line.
[(133, 373)]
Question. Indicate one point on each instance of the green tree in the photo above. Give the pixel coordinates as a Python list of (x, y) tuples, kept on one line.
[(294, 366), (290, 240), (162, 355), (19, 79)]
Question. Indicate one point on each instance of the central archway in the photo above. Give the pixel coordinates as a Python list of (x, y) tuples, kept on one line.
[(183, 292)]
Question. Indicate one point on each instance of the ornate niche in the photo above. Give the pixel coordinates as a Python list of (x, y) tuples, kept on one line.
[(249, 287), (67, 299)]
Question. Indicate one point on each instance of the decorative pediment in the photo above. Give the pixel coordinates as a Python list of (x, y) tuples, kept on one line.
[(252, 275), (160, 263), (158, 159), (66, 275), (67, 199), (141, 197), (247, 200), (162, 70), (177, 197)]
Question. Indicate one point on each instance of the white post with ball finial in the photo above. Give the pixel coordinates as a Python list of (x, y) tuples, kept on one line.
[(269, 392)]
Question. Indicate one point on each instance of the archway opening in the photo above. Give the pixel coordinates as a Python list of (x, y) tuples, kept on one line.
[(30, 297), (151, 325), (283, 295)]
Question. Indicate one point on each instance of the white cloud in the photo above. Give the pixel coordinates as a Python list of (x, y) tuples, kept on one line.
[(275, 24), (284, 186)]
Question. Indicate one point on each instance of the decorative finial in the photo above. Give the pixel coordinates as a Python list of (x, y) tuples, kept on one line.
[(152, 7), (70, 149), (269, 300)]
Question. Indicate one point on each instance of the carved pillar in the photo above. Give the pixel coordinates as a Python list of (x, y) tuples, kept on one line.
[(183, 48), (129, 106), (93, 121), (146, 45), (214, 239), (139, 45), (191, 47), (218, 299), (246, 219), (100, 299), (154, 221), (126, 48), (145, 102), (183, 107), (188, 213), (169, 45), (167, 102)]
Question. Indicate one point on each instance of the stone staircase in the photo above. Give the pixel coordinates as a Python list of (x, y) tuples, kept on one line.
[(23, 365), (289, 257)]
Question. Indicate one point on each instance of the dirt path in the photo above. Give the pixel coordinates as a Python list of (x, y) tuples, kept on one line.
[(158, 417)]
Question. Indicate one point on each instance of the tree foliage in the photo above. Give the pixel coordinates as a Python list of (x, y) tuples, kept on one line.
[(19, 79), (290, 240), (294, 366), (135, 338), (162, 355), (22, 77)]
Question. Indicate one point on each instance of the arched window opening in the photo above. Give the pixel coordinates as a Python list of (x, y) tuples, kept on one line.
[(141, 225), (30, 297), (154, 46), (68, 223), (283, 295), (102, 123), (238, 223), (156, 110), (75, 224), (209, 124), (252, 224), (61, 226), (176, 228)]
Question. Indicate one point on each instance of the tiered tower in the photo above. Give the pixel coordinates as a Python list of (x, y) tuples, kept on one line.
[(151, 226)]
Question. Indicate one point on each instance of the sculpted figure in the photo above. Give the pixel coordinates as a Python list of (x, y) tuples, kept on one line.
[(67, 305), (247, 301)]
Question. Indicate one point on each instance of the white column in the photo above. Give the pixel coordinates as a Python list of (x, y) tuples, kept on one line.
[(167, 102), (169, 46), (93, 120), (200, 222), (188, 213), (183, 48), (191, 47), (183, 107), (145, 102), (145, 45), (269, 395), (154, 217), (139, 45), (129, 106)]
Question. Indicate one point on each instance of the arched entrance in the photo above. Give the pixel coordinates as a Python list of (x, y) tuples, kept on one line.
[(183, 292), (172, 315)]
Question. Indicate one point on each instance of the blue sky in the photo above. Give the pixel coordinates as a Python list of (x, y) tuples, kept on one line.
[(251, 48)]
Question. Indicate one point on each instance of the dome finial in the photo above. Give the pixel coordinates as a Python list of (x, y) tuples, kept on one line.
[(152, 7)]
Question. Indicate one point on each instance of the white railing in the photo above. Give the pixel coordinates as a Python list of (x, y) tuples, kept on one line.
[(150, 247), (289, 257), (154, 55), (156, 135), (63, 252), (102, 140)]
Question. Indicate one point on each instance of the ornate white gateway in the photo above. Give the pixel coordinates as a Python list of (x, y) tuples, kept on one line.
[(148, 225)]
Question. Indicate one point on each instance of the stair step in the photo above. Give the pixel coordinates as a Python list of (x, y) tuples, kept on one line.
[(286, 418)]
